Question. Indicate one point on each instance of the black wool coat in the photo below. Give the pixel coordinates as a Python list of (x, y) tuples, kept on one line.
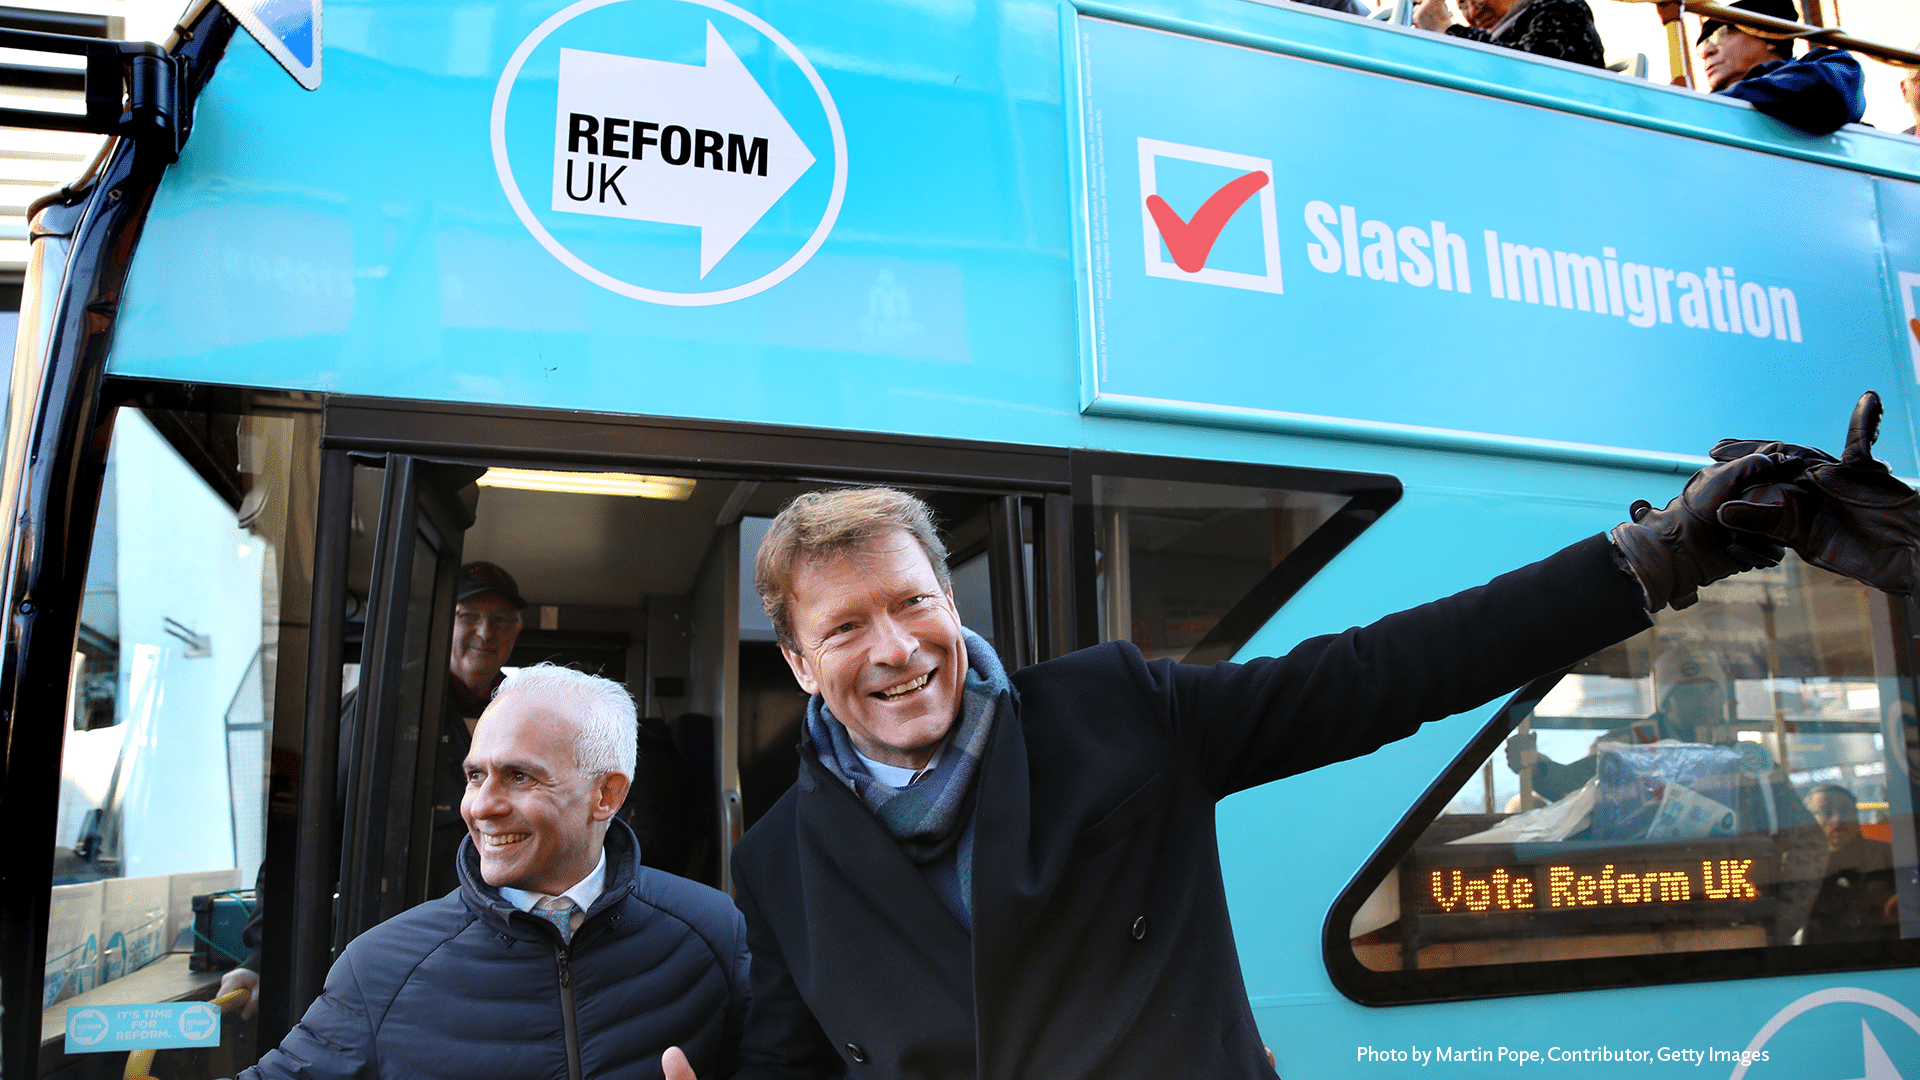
[(1101, 944), (469, 987)]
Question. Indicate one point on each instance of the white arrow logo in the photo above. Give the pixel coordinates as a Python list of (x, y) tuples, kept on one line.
[(1879, 1066), (1878, 1063), (649, 140)]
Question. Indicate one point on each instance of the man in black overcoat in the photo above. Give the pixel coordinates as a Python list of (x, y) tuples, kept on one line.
[(1015, 877)]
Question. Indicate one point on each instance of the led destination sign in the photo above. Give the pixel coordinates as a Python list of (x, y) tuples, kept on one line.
[(1478, 890)]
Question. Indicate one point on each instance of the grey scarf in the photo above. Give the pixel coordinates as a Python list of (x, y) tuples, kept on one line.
[(927, 819)]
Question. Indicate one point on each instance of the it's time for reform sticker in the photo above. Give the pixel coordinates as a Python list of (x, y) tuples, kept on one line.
[(102, 1029)]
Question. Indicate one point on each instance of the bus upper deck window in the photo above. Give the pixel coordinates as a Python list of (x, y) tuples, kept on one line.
[(181, 738), (1729, 781)]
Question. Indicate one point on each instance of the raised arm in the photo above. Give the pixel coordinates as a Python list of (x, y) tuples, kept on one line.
[(1344, 695), (1341, 696)]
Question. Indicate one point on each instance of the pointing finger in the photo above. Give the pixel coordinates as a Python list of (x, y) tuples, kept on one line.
[(674, 1063)]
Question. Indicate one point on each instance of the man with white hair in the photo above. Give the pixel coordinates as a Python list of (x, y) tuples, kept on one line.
[(559, 955)]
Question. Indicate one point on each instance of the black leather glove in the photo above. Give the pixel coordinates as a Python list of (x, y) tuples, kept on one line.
[(1849, 516), (1675, 550)]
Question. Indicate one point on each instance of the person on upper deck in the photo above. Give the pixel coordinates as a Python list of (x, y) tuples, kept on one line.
[(1562, 29), (1817, 93)]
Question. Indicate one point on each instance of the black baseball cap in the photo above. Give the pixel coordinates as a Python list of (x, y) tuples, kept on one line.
[(485, 577), (1779, 9)]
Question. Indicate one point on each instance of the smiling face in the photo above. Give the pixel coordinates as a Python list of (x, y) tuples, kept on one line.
[(538, 823), (876, 636), (485, 627), (1730, 53)]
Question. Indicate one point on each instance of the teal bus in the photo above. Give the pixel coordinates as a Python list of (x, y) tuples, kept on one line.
[(1205, 324)]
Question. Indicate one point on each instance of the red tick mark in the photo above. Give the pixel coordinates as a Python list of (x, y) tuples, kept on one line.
[(1191, 241)]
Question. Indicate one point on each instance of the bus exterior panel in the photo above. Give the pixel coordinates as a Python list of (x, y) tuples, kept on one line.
[(964, 247)]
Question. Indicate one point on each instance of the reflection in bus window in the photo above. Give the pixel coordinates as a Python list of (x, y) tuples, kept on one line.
[(169, 772), (1175, 558), (1719, 782)]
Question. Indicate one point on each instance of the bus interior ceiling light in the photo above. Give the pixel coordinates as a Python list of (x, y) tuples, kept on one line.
[(675, 488)]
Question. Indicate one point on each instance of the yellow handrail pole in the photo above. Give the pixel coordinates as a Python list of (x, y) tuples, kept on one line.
[(1766, 26), (1679, 60), (140, 1062)]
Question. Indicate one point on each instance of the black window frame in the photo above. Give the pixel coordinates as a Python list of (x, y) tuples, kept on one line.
[(1366, 986), (1369, 495)]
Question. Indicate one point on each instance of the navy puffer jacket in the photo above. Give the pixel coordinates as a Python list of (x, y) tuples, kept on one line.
[(1817, 93), (469, 987)]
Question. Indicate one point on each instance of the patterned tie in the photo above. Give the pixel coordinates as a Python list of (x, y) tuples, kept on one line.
[(558, 910)]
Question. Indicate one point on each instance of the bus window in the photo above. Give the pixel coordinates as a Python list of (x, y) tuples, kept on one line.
[(175, 780), (1189, 558), (1726, 790)]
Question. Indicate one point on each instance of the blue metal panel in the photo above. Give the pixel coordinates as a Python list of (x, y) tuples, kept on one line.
[(359, 240), (1369, 327), (1899, 204), (1288, 849)]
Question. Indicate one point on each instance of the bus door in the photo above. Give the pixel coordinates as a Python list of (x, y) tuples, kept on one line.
[(178, 755), (393, 681), (643, 578), (631, 541)]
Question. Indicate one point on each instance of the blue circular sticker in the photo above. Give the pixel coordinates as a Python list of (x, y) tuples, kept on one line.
[(199, 1022), (87, 1027)]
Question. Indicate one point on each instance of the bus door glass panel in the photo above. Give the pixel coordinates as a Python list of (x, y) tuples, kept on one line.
[(181, 751), (1187, 559), (990, 557), (1736, 777), (395, 837)]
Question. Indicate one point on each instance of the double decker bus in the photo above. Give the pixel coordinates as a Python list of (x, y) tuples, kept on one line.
[(1206, 324)]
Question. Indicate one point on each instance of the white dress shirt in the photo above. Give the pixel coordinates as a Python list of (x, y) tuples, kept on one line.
[(894, 775), (582, 894)]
